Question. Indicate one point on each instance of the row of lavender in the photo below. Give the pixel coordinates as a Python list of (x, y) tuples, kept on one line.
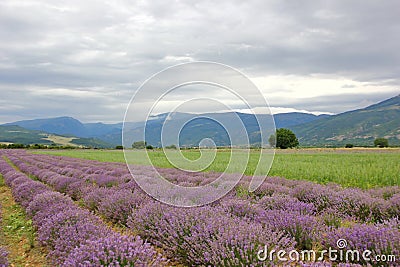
[(110, 174), (74, 236), (3, 252), (308, 215), (115, 204)]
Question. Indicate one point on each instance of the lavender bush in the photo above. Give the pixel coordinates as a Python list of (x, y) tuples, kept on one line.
[(3, 257), (46, 204), (24, 192), (93, 198), (380, 239), (304, 229), (363, 206), (268, 189), (285, 202), (114, 250), (320, 196), (119, 204), (394, 206), (239, 207), (71, 236), (50, 231), (205, 236), (3, 252)]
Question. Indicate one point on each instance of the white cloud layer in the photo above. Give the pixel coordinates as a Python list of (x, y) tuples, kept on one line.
[(86, 58)]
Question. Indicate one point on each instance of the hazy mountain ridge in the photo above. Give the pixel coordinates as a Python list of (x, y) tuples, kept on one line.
[(111, 133)]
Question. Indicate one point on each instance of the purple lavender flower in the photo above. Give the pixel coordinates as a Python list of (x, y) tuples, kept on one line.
[(268, 189), (47, 204), (62, 183), (118, 205), (285, 202), (3, 252), (114, 250), (239, 207), (384, 192), (394, 206), (305, 229), (380, 240), (3, 257), (25, 192), (320, 196), (205, 236), (77, 190), (94, 197), (72, 235), (363, 206)]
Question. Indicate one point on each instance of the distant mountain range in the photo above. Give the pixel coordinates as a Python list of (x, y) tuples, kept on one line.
[(110, 134), (197, 129), (359, 127)]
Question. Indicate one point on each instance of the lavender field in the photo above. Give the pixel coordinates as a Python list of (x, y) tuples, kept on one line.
[(90, 213)]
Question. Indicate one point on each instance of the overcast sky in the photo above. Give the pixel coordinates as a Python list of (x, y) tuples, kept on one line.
[(86, 58)]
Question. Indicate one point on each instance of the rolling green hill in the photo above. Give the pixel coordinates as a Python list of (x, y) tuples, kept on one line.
[(359, 127), (19, 135), (69, 126)]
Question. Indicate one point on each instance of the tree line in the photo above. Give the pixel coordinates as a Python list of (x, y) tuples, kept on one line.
[(283, 139)]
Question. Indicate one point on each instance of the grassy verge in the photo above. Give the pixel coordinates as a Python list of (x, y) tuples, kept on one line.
[(19, 234), (365, 168)]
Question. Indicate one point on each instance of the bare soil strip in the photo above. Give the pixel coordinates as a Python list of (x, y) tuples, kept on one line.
[(19, 235)]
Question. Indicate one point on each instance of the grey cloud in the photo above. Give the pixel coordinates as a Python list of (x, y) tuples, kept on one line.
[(348, 86), (87, 105), (333, 103), (118, 44)]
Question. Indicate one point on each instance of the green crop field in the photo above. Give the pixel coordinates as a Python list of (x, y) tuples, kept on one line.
[(364, 168)]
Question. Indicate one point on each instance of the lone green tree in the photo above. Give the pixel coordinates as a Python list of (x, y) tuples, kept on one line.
[(381, 142), (285, 138), (171, 147), (139, 145), (149, 147), (272, 140)]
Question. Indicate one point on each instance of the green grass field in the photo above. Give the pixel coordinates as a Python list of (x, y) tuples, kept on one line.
[(365, 168)]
